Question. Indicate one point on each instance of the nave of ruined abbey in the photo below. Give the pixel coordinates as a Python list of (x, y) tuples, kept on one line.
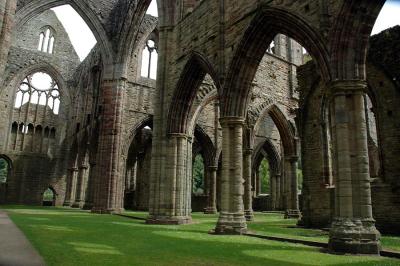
[(224, 107)]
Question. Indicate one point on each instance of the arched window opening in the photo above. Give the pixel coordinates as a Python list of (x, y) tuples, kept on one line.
[(149, 60), (388, 17), (271, 48), (49, 197), (198, 175), (4, 168), (153, 10), (39, 89), (46, 40), (264, 176), (373, 141)]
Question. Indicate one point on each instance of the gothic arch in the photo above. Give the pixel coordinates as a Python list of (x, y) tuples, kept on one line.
[(350, 36), (263, 28), (286, 129), (208, 149), (273, 156), (147, 121), (34, 8), (191, 78)]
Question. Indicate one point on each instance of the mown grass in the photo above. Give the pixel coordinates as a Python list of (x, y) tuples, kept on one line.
[(74, 237)]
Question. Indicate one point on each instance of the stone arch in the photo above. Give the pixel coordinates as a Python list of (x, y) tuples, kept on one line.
[(147, 121), (48, 68), (266, 24), (212, 96), (191, 78), (286, 129), (34, 8), (273, 156), (350, 36), (131, 27), (207, 146)]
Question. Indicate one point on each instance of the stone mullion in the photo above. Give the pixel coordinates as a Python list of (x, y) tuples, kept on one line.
[(231, 219), (248, 198), (353, 229)]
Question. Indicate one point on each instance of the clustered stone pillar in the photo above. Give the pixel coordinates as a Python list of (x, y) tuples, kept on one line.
[(248, 197), (174, 197), (70, 187), (212, 191), (291, 184), (88, 204), (353, 228), (109, 182), (231, 218), (278, 196), (81, 186)]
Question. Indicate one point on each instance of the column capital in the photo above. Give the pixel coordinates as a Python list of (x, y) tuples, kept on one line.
[(231, 121), (84, 166), (292, 159), (213, 168), (248, 151), (73, 169), (342, 87), (178, 135)]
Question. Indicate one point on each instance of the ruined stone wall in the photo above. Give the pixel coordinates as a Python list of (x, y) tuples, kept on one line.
[(36, 169)]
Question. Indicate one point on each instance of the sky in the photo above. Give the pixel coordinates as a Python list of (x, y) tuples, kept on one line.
[(83, 39)]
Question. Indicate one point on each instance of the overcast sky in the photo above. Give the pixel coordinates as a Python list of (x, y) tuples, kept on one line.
[(83, 40)]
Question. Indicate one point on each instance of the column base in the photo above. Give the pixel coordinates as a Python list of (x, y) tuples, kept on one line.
[(67, 204), (87, 206), (168, 220), (292, 214), (75, 205), (106, 211), (210, 210), (231, 224), (249, 215), (354, 236)]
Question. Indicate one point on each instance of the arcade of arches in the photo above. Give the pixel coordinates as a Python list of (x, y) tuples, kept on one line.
[(225, 107)]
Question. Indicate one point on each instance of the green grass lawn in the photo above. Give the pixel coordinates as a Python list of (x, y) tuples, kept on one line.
[(273, 224), (74, 237)]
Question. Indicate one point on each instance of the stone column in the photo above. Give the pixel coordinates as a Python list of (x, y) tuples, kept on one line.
[(88, 204), (212, 191), (74, 180), (81, 186), (353, 228), (231, 218), (174, 197), (248, 197), (272, 191), (278, 192), (292, 198), (109, 183), (68, 192)]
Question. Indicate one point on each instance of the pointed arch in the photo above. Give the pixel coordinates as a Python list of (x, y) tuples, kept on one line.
[(191, 78), (34, 8), (207, 146), (266, 24), (350, 36)]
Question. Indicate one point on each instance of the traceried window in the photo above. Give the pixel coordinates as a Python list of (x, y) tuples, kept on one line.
[(149, 60), (46, 40), (39, 89)]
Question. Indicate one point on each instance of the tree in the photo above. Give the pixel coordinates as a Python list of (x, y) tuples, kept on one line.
[(265, 176), (198, 175)]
